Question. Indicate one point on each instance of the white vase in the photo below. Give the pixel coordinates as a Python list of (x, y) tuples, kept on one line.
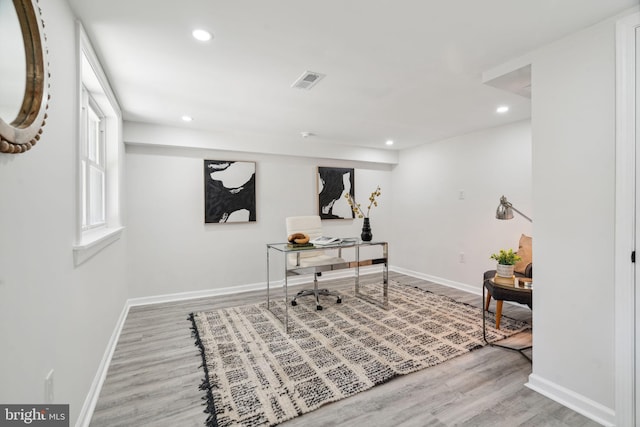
[(504, 270)]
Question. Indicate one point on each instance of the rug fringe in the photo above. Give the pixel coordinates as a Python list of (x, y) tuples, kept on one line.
[(205, 385)]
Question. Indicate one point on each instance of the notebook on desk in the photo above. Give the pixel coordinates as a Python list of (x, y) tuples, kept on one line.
[(324, 240)]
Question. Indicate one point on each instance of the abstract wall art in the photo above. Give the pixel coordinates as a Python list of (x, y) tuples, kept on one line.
[(229, 191), (333, 185)]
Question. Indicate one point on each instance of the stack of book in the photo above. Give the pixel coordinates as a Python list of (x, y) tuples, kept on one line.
[(504, 280), (300, 245), (521, 282)]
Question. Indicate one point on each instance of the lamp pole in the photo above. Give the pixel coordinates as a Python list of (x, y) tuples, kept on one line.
[(505, 210)]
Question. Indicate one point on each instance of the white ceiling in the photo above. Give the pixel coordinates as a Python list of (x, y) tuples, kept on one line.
[(407, 70)]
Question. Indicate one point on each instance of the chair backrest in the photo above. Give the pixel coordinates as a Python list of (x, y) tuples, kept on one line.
[(311, 225)]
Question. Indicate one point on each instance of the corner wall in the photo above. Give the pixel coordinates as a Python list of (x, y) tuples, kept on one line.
[(574, 175), (52, 314), (432, 225)]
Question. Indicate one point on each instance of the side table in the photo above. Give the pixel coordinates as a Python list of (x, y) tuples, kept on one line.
[(503, 292)]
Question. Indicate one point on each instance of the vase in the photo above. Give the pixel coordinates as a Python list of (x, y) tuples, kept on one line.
[(366, 235), (504, 270)]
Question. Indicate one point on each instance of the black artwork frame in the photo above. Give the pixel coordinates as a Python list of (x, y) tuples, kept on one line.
[(331, 192), (229, 191)]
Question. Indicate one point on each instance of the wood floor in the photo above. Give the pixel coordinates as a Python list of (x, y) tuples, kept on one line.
[(155, 373)]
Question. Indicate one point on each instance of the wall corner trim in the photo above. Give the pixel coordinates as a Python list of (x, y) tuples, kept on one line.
[(625, 221), (572, 400)]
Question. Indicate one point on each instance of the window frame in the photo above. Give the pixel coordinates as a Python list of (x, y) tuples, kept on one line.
[(94, 91), (89, 107)]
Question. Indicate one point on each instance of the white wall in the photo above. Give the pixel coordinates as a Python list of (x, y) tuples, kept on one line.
[(175, 251), (243, 142), (52, 315), (573, 173), (432, 226)]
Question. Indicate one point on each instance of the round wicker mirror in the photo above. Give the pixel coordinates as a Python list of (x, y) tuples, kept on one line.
[(19, 134)]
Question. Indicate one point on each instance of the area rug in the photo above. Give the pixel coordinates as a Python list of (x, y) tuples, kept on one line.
[(257, 375)]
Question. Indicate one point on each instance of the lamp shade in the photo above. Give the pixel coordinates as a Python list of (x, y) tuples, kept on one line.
[(504, 210)]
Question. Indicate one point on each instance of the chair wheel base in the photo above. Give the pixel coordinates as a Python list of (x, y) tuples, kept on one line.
[(317, 293)]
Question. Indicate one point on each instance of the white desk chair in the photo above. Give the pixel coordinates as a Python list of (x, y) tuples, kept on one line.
[(313, 261)]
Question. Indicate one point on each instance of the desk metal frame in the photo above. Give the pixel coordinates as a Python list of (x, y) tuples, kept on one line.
[(484, 328), (283, 249)]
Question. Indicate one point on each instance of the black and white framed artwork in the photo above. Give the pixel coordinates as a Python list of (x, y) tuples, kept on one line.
[(333, 185), (229, 191)]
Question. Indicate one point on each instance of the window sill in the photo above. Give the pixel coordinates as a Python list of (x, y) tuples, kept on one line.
[(93, 242)]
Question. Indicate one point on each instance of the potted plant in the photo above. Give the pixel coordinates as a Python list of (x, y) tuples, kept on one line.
[(506, 261)]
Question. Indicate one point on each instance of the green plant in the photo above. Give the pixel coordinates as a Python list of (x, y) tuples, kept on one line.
[(506, 257), (355, 207)]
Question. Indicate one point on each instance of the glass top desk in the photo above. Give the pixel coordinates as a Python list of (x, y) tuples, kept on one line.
[(287, 269)]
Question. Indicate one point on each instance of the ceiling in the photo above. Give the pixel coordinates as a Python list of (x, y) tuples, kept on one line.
[(406, 70)]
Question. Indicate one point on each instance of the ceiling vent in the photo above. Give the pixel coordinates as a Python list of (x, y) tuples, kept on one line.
[(307, 80)]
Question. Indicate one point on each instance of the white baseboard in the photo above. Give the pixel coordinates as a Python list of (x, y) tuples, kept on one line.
[(572, 400), (446, 282), (587, 407), (439, 280), (181, 296), (92, 397), (96, 386), (566, 397)]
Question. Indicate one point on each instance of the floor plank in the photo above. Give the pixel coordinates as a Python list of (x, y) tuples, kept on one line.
[(155, 373)]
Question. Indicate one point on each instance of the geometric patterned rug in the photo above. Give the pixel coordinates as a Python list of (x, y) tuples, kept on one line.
[(256, 375)]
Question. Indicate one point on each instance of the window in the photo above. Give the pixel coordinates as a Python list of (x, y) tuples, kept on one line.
[(93, 171), (99, 157)]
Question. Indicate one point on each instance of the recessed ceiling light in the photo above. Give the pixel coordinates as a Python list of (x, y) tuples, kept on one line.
[(187, 118), (202, 35), (306, 134), (502, 109), (389, 142)]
